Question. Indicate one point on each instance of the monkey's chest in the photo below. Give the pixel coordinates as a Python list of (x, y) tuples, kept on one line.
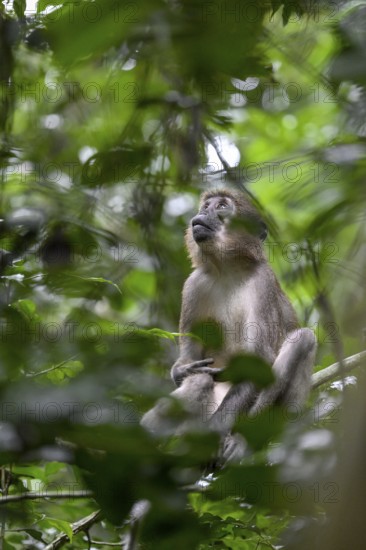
[(227, 314), (219, 392)]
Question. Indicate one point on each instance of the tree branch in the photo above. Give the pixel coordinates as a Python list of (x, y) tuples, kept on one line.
[(333, 371), (81, 525), (47, 494)]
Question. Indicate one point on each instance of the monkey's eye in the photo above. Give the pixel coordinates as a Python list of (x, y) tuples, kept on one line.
[(221, 205)]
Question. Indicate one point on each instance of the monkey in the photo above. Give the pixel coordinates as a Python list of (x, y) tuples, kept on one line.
[(233, 285), (196, 390)]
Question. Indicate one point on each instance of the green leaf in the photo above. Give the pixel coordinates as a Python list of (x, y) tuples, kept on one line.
[(59, 524), (261, 429), (111, 22), (140, 282), (58, 372), (210, 333), (99, 280), (19, 7), (43, 4), (120, 162), (159, 332), (26, 307), (8, 546), (248, 368), (37, 535), (33, 471), (52, 468), (255, 484), (72, 368), (56, 375)]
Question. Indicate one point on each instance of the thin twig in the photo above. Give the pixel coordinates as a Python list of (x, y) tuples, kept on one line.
[(54, 367), (81, 525), (103, 543), (47, 494)]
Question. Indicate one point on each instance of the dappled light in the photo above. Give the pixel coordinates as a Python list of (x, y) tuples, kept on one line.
[(114, 117)]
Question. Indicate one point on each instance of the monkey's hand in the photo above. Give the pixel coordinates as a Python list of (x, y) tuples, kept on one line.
[(180, 372)]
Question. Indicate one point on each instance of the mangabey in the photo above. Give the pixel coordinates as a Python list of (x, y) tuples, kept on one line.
[(233, 285)]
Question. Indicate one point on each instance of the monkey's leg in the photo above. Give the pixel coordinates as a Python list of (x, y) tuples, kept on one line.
[(238, 400), (196, 394), (292, 369)]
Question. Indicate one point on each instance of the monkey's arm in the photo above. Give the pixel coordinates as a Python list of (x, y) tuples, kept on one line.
[(192, 358)]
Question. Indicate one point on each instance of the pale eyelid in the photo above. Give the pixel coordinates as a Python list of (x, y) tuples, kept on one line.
[(223, 205)]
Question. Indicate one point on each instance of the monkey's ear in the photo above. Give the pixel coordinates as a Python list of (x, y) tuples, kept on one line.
[(263, 231)]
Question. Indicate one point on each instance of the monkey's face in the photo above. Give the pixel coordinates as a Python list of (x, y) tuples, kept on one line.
[(214, 213), (227, 229)]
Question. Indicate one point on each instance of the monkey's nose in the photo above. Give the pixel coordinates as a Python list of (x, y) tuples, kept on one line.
[(200, 220)]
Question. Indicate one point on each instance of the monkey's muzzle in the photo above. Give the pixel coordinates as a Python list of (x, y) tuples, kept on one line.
[(202, 228)]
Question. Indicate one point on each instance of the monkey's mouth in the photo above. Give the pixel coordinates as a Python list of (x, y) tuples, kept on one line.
[(196, 224), (201, 231)]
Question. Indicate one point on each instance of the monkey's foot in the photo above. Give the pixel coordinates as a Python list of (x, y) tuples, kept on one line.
[(196, 367), (234, 448)]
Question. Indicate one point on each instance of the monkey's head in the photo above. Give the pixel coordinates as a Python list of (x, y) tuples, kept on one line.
[(227, 227)]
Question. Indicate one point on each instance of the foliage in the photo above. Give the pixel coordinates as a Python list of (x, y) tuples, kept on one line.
[(113, 117)]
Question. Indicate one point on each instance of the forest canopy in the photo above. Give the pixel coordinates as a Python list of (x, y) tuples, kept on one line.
[(114, 117)]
